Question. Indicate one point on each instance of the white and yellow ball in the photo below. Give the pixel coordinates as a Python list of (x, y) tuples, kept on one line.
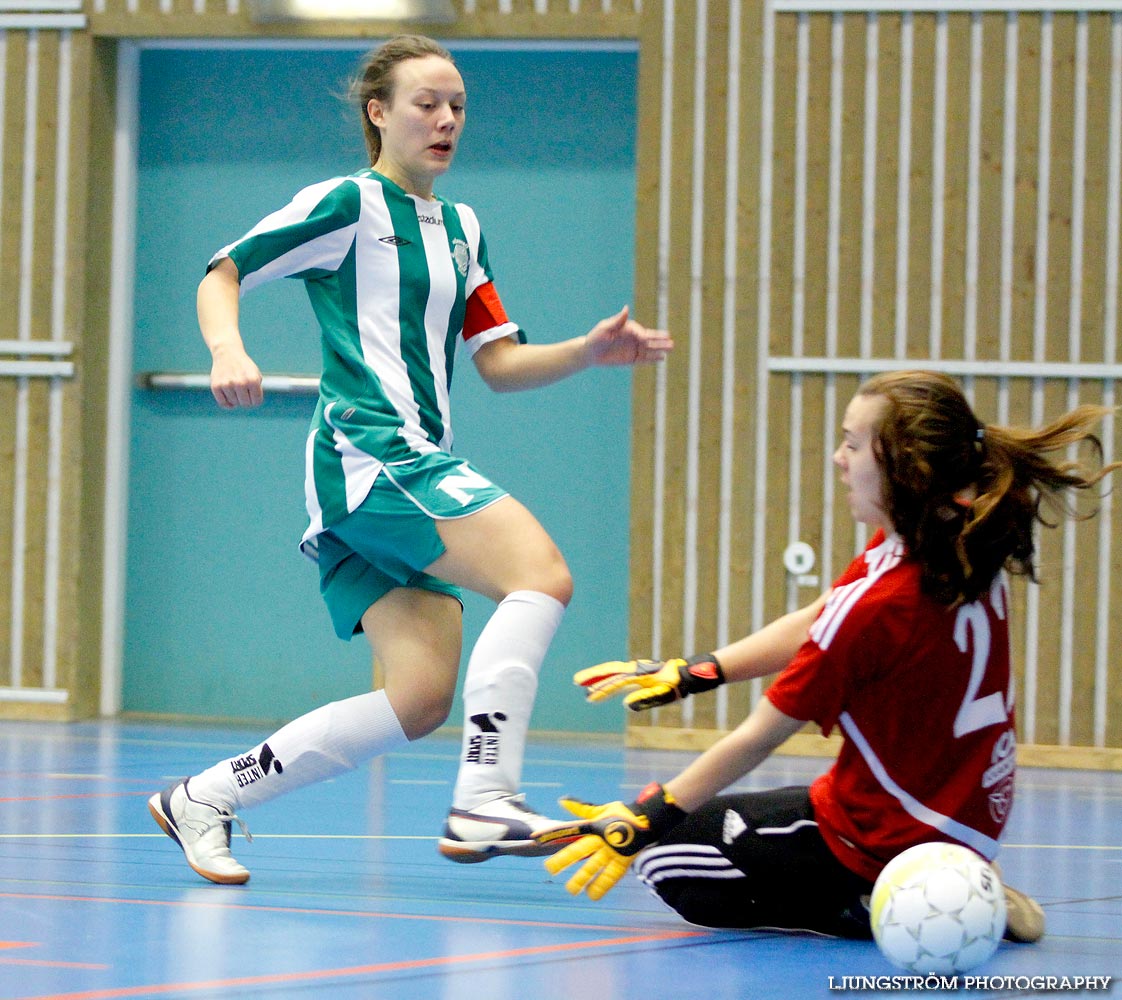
[(938, 908)]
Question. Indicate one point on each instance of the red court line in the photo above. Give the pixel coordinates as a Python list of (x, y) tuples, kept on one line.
[(4, 960), (47, 964), (646, 933), (358, 970)]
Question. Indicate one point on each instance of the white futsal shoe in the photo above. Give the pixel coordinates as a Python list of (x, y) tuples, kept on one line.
[(202, 830), (505, 825)]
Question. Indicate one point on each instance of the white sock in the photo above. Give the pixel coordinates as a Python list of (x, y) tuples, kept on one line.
[(325, 742), (499, 690)]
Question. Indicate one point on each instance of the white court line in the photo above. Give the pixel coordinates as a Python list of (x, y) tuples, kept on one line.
[(256, 836), (379, 836)]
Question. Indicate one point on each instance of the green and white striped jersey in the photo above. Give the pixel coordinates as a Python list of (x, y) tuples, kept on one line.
[(391, 278)]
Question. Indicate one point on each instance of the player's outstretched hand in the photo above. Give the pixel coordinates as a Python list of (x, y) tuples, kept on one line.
[(650, 682), (610, 837), (620, 340)]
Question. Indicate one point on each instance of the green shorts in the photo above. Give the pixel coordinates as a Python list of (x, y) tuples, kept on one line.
[(389, 539)]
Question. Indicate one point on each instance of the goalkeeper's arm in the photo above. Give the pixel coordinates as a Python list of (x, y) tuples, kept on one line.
[(649, 683), (771, 648)]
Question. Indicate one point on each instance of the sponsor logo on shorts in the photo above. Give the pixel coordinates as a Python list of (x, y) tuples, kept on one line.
[(457, 485)]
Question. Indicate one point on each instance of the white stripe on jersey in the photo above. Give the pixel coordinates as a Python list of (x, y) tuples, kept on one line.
[(326, 252), (495, 333), (476, 277), (379, 304), (880, 560), (683, 861), (986, 846), (359, 472), (441, 300), (359, 469), (308, 544)]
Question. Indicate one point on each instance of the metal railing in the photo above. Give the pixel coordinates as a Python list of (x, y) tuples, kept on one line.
[(195, 381)]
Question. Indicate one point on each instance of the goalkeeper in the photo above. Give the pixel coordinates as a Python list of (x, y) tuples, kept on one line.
[(907, 654)]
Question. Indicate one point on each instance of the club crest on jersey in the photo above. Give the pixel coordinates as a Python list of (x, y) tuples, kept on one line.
[(1000, 801), (460, 256), (999, 776)]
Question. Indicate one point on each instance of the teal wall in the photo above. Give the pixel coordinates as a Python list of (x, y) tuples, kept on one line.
[(223, 615)]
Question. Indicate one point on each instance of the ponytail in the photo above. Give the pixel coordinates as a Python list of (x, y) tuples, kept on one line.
[(966, 496)]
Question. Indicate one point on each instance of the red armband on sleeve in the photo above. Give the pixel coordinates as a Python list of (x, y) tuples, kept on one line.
[(484, 311)]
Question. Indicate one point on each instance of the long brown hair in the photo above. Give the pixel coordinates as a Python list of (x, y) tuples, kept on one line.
[(965, 495), (374, 80)]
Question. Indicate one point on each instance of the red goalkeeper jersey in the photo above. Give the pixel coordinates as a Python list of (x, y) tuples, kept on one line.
[(923, 696)]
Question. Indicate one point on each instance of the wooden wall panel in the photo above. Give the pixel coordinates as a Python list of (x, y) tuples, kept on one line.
[(555, 19), (43, 253), (964, 222), (943, 242)]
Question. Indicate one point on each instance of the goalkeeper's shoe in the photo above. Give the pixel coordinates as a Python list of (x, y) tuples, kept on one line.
[(202, 830), (505, 825), (1024, 917)]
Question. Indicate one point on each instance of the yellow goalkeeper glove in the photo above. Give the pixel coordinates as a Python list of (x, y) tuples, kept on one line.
[(610, 837), (651, 682)]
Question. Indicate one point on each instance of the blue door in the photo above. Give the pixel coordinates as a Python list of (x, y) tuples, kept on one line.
[(223, 615)]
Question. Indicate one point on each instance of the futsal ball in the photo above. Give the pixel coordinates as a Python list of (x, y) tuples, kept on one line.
[(938, 908)]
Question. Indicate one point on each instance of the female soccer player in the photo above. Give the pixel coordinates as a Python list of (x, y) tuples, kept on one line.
[(907, 654), (398, 278)]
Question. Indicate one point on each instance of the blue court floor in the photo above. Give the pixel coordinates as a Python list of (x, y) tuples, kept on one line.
[(349, 898)]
